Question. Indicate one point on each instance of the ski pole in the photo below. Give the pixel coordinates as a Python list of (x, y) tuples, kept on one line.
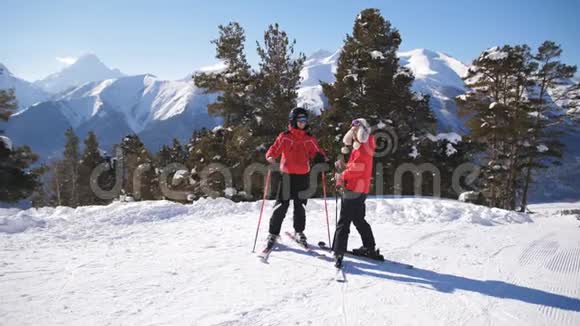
[(325, 205), (336, 191), (335, 216), (336, 207), (262, 208)]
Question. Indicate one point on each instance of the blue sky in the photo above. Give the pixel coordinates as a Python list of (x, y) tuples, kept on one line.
[(171, 38)]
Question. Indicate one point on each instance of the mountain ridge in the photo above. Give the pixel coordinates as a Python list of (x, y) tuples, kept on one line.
[(26, 93), (87, 68)]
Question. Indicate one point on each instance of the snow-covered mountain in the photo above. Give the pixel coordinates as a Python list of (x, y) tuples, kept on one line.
[(440, 76), (156, 110), (87, 68), (26, 93), (160, 110), (436, 74), (319, 67)]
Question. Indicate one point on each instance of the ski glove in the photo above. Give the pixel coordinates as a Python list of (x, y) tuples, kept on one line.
[(319, 158)]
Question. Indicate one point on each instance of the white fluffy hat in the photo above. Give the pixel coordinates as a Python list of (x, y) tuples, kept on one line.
[(361, 136)]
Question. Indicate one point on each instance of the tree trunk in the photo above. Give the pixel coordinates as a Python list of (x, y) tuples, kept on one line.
[(531, 159)]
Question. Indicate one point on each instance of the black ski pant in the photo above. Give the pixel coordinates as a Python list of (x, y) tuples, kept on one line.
[(353, 210), (290, 187)]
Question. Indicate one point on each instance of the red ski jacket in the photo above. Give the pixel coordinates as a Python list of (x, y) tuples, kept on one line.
[(297, 147), (358, 171)]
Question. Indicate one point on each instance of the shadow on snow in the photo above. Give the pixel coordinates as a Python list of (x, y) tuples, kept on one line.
[(447, 283)]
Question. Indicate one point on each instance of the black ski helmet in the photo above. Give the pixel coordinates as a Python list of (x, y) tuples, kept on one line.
[(295, 114)]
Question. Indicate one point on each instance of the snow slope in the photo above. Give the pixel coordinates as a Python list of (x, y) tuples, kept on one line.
[(162, 263), (26, 93), (438, 75), (320, 66), (87, 68), (6, 142), (140, 99)]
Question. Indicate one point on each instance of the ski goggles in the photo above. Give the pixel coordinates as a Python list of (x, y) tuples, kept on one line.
[(302, 119)]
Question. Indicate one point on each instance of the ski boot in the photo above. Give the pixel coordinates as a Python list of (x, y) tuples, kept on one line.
[(371, 253), (271, 242), (301, 239), (338, 261)]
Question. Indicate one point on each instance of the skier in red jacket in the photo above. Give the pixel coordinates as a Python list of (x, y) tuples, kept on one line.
[(356, 182), (296, 146)]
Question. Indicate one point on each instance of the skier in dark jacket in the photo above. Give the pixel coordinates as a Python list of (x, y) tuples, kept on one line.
[(355, 181), (297, 147)]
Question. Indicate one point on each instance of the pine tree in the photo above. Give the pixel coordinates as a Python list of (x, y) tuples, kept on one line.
[(209, 147), (371, 84), (543, 141), (43, 195), (136, 159), (70, 165), (255, 106), (7, 104), (16, 180), (447, 156), (56, 182), (369, 80), (91, 158), (196, 159), (234, 82), (177, 153), (500, 117), (277, 82), (164, 156)]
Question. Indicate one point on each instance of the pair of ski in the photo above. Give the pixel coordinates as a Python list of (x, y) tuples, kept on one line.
[(339, 273), (341, 276), (265, 254), (323, 246)]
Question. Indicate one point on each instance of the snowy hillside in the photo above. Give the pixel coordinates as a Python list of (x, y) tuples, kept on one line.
[(87, 68), (26, 93), (436, 74), (157, 110), (162, 263), (320, 66)]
